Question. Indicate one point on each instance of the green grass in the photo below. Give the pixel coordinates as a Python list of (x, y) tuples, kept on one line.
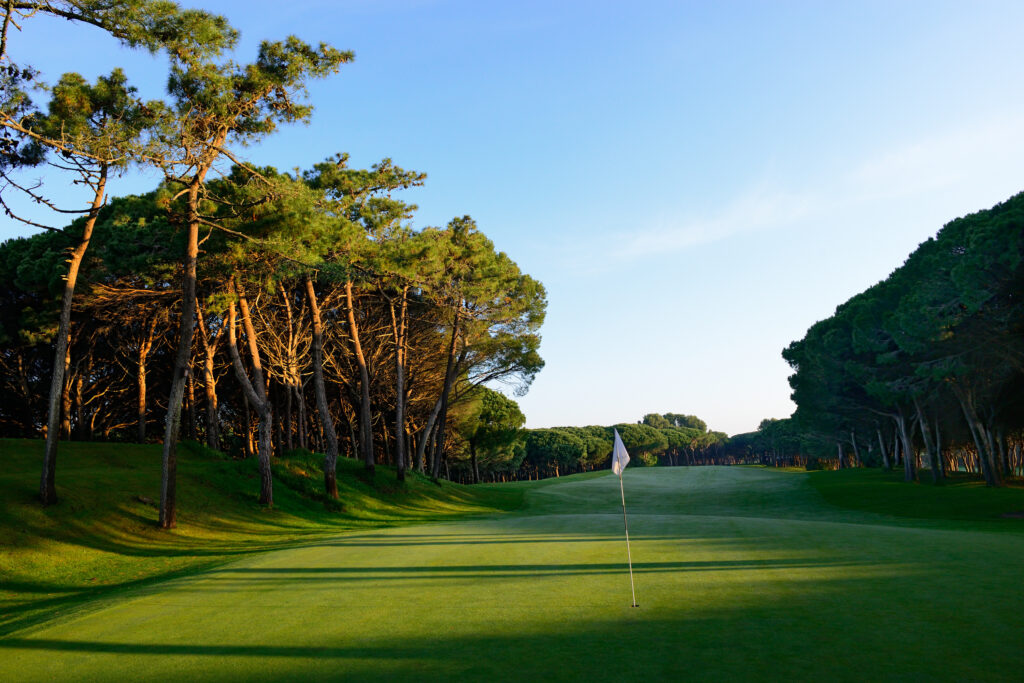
[(741, 574), (102, 537), (959, 498)]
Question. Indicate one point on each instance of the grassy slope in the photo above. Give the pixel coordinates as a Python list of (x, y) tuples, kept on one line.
[(742, 574), (959, 499), (101, 538)]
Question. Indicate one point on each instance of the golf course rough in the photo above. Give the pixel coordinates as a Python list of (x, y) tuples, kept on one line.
[(741, 574)]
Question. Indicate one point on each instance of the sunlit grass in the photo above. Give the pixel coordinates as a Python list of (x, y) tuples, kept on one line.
[(102, 535), (741, 574)]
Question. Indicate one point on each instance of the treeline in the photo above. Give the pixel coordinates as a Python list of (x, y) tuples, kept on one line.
[(253, 310), (369, 312), (923, 371), (669, 439)]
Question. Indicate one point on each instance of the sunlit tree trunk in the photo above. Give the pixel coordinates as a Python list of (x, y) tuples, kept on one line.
[(365, 417), (145, 345), (326, 420), (255, 392), (48, 482), (172, 426), (449, 379), (210, 382), (398, 326)]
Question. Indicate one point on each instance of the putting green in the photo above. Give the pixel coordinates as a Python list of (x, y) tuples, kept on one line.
[(741, 574)]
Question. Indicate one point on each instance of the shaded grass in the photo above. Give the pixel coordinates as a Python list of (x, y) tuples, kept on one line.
[(101, 538), (960, 498)]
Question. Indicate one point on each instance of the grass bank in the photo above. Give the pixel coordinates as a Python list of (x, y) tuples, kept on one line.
[(101, 538), (960, 498)]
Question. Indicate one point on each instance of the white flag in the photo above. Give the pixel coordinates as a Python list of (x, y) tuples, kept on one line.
[(620, 458)]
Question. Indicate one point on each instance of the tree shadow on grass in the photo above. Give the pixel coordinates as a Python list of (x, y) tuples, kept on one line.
[(256, 575), (766, 638)]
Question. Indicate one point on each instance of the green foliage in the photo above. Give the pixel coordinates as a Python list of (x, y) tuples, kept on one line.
[(644, 443), (552, 450), (936, 344)]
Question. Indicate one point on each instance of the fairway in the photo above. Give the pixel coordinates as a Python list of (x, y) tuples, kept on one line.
[(741, 574)]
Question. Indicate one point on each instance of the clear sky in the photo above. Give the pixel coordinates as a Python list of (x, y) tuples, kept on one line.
[(695, 183)]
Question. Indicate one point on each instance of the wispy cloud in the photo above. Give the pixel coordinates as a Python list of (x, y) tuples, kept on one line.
[(761, 208), (973, 152), (966, 160)]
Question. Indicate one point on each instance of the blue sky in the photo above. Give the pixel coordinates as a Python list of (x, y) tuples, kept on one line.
[(695, 183)]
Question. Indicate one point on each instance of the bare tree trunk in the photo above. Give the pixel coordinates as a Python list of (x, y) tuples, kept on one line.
[(473, 461), (882, 449), (28, 416), (190, 401), (301, 401), (79, 402), (145, 344), (426, 437), (255, 392), (250, 449), (908, 447), (938, 449), (65, 421), (288, 425), (172, 427), (365, 418), (449, 379), (210, 382), (398, 326), (985, 457), (326, 420), (48, 481), (934, 457)]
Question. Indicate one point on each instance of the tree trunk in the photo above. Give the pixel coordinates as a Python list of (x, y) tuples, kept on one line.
[(76, 397), (47, 481), (365, 424), (326, 420), (882, 449), (145, 344), (473, 462), (289, 425), (426, 438), (172, 426), (210, 383), (398, 327), (908, 447), (255, 392), (190, 399), (933, 455), (978, 432), (449, 379), (65, 399), (300, 400)]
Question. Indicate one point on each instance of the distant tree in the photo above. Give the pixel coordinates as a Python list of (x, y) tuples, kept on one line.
[(644, 443), (656, 421), (494, 431)]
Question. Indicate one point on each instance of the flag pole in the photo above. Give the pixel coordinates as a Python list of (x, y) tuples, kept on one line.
[(629, 556)]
